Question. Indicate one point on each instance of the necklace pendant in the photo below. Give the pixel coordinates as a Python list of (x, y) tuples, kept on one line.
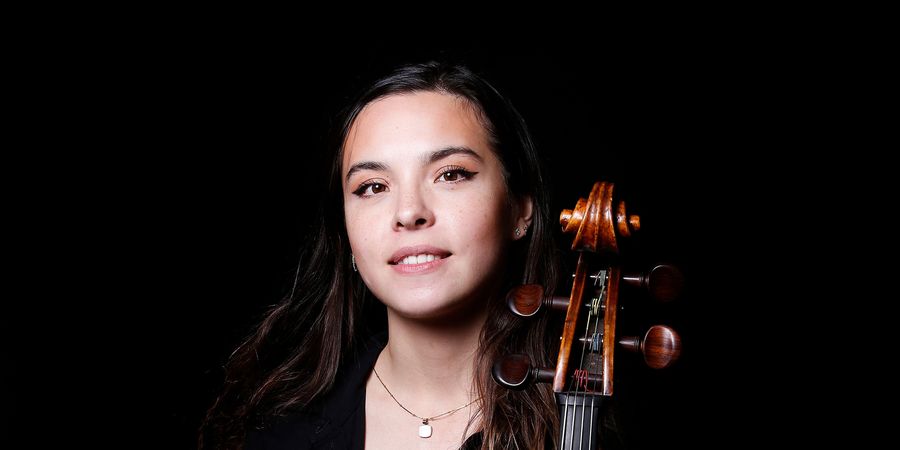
[(425, 430)]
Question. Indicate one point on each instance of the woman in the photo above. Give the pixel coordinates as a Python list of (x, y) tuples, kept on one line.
[(436, 209)]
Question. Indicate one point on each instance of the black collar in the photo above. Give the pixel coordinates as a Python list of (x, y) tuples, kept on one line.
[(349, 392)]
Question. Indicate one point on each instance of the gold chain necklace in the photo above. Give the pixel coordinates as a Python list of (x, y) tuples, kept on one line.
[(425, 428)]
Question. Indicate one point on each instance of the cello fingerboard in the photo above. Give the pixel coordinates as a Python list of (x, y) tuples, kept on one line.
[(579, 417)]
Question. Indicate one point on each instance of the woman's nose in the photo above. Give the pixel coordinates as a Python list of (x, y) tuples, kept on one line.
[(412, 211)]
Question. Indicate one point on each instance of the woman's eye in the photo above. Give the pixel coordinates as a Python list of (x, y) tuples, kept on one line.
[(369, 189), (455, 174)]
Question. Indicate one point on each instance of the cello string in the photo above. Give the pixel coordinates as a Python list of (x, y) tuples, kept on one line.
[(593, 311), (565, 432), (600, 299), (582, 374), (576, 375)]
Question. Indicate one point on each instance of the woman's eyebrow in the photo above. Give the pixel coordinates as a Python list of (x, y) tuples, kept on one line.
[(429, 158), (448, 151), (366, 165)]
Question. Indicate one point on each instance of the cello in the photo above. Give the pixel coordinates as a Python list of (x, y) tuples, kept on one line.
[(583, 378)]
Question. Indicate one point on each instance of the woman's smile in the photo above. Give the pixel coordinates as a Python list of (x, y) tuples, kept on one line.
[(418, 259)]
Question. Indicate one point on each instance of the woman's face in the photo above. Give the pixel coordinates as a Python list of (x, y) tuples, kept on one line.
[(426, 205)]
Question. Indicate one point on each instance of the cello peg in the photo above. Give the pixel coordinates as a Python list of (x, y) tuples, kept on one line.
[(661, 346), (516, 372), (526, 300), (664, 282)]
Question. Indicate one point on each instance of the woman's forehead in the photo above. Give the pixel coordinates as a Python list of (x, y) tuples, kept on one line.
[(409, 125)]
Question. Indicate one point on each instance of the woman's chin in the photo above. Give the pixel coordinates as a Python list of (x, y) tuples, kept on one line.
[(438, 312)]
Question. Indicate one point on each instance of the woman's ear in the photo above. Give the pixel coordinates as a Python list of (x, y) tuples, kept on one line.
[(525, 206)]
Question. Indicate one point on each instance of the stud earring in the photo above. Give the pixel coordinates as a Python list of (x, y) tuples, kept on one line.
[(518, 233), (353, 262)]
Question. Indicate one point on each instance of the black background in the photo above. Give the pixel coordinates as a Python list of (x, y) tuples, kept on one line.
[(198, 177)]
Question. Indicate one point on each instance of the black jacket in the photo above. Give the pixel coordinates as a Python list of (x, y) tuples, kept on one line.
[(337, 420)]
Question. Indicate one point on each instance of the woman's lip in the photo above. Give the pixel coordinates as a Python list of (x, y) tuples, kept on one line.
[(415, 269), (398, 256)]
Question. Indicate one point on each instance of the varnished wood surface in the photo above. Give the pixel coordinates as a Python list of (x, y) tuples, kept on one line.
[(664, 282), (661, 346), (568, 334), (609, 329), (525, 300)]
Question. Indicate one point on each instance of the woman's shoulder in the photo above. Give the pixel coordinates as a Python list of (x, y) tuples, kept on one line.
[(332, 418)]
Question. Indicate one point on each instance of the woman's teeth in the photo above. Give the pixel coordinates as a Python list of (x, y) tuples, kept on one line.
[(418, 259)]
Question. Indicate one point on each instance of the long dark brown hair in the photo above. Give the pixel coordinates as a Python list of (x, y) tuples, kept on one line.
[(292, 356)]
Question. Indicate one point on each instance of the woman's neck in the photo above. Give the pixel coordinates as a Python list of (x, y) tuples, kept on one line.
[(432, 363)]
